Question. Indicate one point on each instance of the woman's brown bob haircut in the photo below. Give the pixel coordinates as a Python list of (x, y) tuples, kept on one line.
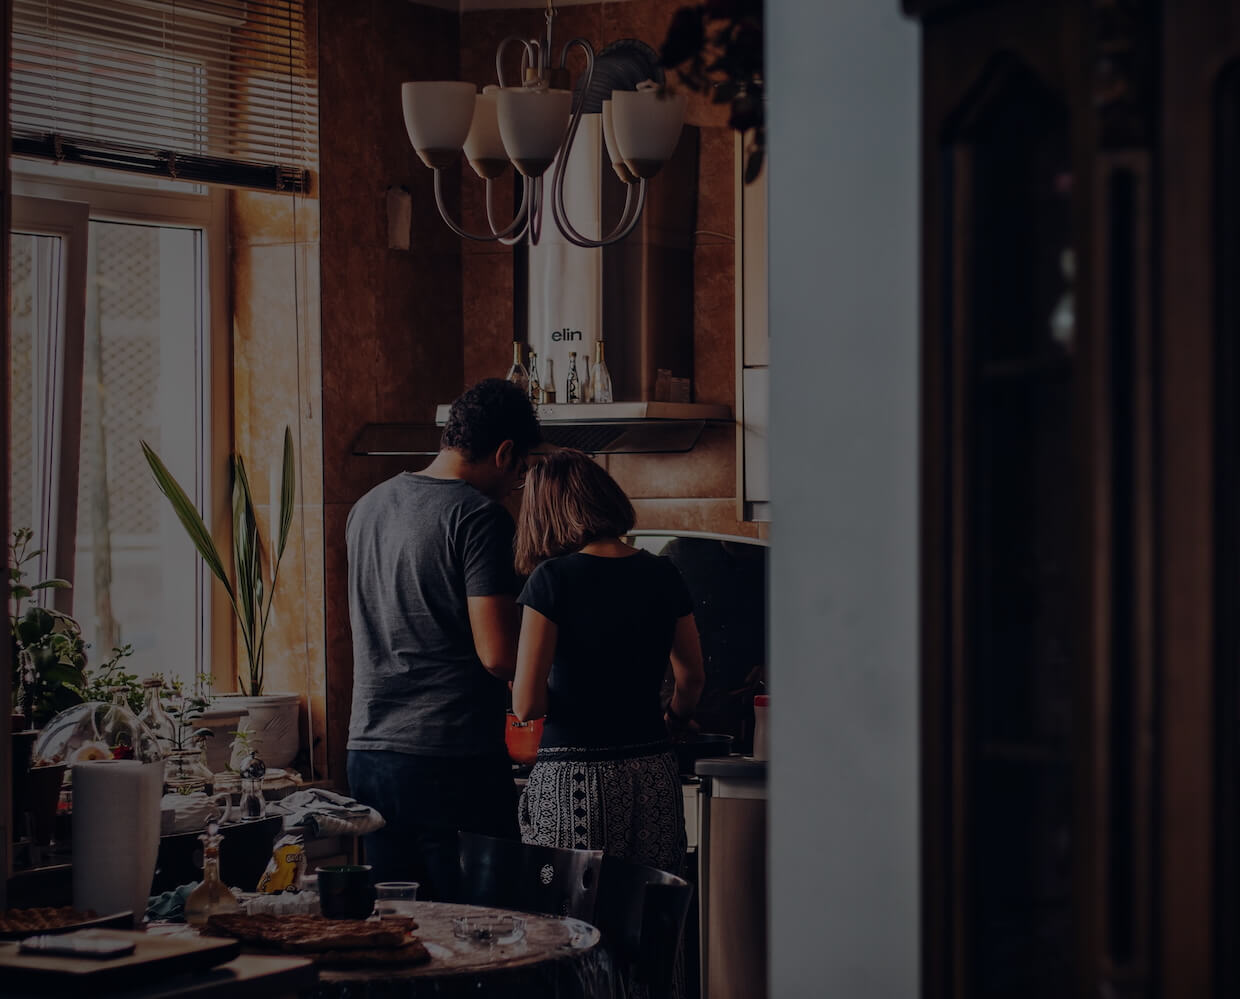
[(569, 501)]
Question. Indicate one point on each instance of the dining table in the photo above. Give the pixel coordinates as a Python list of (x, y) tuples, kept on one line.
[(474, 953)]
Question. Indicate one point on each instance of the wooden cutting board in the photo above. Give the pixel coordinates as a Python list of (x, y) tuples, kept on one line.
[(153, 955)]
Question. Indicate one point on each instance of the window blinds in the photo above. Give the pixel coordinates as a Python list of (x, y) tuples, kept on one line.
[(215, 91)]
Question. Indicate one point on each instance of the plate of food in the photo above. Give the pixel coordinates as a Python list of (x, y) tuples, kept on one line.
[(16, 924)]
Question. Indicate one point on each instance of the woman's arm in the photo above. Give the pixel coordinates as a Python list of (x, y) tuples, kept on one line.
[(687, 670), (534, 654)]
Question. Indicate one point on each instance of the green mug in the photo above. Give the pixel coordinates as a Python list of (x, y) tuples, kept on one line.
[(345, 891)]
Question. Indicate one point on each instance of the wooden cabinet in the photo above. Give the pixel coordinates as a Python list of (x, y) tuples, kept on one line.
[(1081, 497)]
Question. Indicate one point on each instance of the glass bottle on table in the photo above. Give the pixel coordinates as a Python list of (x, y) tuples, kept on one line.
[(212, 896), (600, 377), (517, 374), (572, 388)]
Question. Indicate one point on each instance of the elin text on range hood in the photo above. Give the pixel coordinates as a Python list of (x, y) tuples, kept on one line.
[(600, 428)]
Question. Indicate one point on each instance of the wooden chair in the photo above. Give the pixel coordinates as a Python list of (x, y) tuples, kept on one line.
[(641, 914), (509, 874)]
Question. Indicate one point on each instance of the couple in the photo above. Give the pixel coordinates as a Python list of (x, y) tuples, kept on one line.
[(435, 582)]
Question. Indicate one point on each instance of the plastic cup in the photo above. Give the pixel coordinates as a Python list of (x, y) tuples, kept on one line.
[(394, 899)]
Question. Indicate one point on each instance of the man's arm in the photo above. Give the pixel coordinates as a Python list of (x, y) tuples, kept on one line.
[(495, 623)]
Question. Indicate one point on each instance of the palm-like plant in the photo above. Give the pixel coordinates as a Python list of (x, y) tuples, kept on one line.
[(252, 594)]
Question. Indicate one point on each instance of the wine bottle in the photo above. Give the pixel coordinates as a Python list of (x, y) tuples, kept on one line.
[(600, 377), (548, 385), (572, 388), (586, 395), (517, 374)]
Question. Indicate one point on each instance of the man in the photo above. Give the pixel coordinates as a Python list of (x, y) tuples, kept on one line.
[(434, 618)]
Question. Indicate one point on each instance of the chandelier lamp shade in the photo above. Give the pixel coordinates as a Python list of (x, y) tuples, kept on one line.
[(531, 126)]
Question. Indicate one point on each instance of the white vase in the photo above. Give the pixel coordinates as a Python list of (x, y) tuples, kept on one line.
[(271, 723)]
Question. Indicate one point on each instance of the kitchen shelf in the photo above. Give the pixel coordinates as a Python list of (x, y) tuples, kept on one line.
[(599, 428)]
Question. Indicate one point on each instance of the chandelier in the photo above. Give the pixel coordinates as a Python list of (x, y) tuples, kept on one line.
[(533, 125)]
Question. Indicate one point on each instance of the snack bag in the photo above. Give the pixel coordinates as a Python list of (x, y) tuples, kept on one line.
[(286, 867)]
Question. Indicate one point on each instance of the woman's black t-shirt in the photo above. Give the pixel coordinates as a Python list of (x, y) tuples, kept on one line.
[(615, 619)]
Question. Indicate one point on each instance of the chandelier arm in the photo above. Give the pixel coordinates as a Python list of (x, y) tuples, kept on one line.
[(536, 208), (507, 236), (628, 219), (464, 234), (530, 56)]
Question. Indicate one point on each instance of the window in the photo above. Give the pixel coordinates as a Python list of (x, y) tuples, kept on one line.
[(48, 260), (221, 93), (132, 361)]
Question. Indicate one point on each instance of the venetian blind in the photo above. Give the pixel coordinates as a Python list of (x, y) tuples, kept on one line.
[(217, 91)]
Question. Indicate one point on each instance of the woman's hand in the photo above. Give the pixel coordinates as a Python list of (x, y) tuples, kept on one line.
[(676, 725)]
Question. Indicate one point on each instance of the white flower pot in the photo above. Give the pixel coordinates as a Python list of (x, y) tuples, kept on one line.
[(223, 719), (271, 723)]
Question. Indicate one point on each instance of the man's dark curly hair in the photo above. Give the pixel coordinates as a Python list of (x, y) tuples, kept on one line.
[(486, 415)]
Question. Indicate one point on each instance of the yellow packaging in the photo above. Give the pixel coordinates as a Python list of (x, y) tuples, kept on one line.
[(286, 867)]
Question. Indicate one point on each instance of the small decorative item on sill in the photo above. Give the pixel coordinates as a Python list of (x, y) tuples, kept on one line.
[(253, 805)]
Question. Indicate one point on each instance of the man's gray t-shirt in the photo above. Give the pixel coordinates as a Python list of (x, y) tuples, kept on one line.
[(418, 547)]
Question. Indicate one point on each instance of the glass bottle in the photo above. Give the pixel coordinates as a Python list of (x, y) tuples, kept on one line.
[(535, 389), (518, 374), (586, 394), (548, 387), (212, 896), (572, 389), (154, 716), (600, 377)]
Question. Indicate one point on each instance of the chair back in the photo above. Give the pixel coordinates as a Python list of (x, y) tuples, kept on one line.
[(509, 874), (641, 913)]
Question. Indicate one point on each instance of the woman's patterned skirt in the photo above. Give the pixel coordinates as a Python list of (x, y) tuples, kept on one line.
[(623, 800)]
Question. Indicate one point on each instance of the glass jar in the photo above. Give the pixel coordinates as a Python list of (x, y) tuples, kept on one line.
[(96, 731), (186, 771)]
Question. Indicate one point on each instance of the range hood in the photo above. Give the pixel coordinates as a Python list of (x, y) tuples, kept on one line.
[(599, 428)]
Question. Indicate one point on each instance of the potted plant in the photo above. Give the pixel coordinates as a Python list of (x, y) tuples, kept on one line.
[(272, 719), (49, 653), (49, 675)]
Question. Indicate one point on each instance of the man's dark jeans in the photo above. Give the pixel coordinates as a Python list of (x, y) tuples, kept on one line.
[(425, 800)]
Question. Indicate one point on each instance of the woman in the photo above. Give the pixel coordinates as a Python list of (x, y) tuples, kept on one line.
[(600, 620)]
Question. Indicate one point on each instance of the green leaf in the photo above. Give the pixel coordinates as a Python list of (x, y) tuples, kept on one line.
[(188, 514), (247, 562), (52, 584), (20, 592), (288, 493)]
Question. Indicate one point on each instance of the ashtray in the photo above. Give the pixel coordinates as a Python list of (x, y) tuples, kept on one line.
[(489, 929)]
